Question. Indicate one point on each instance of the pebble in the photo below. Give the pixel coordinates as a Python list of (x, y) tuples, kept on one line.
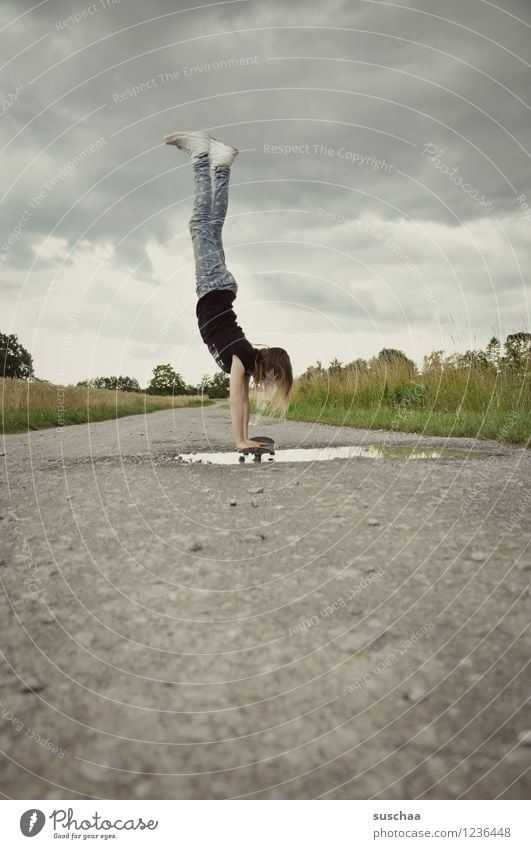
[(32, 684), (93, 772), (232, 501), (254, 537), (361, 637), (256, 491), (478, 556), (85, 637), (416, 693), (373, 522), (524, 738), (195, 546)]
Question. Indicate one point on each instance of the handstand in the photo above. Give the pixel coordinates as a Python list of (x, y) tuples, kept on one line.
[(216, 287)]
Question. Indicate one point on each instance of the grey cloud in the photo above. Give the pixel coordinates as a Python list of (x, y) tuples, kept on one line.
[(415, 80)]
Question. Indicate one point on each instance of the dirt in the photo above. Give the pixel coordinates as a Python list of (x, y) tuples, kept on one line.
[(343, 629)]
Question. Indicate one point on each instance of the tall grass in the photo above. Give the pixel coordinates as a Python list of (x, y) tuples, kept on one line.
[(32, 405), (444, 400)]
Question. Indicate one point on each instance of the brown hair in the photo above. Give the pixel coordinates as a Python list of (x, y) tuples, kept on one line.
[(275, 364)]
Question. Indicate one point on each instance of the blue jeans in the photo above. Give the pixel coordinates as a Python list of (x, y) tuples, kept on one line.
[(206, 225)]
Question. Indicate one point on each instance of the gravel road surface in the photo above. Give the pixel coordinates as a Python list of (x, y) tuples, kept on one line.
[(343, 629)]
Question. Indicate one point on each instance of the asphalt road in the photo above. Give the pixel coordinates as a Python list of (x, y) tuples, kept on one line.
[(347, 629)]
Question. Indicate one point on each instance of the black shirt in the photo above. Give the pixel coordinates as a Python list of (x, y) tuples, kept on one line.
[(219, 330)]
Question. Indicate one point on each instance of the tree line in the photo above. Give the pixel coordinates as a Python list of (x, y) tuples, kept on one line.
[(514, 355), (17, 362)]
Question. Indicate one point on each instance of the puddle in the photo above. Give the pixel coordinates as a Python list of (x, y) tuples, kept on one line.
[(305, 455)]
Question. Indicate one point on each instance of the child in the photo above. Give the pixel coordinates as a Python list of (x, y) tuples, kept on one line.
[(216, 287)]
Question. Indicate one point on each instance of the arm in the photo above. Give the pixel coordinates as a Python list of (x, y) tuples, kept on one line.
[(239, 404), (247, 378)]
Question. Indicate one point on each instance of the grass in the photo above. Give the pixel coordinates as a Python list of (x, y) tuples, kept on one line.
[(444, 401), (494, 425), (31, 406)]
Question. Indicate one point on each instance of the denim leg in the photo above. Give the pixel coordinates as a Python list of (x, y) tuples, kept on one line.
[(220, 204), (210, 270)]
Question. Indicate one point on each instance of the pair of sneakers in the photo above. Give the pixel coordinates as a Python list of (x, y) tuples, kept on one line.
[(198, 143)]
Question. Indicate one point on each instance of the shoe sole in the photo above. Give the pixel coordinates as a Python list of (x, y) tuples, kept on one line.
[(180, 140)]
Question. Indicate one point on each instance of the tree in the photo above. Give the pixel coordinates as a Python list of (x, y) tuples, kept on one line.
[(335, 367), (493, 352), (166, 381), (517, 351), (393, 357), (313, 371), (470, 360), (217, 386), (433, 361), (15, 361), (125, 384), (357, 365)]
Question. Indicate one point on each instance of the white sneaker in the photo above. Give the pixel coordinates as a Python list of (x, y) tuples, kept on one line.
[(196, 144), (221, 153)]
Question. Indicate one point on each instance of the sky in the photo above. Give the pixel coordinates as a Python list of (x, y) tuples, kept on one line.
[(381, 197)]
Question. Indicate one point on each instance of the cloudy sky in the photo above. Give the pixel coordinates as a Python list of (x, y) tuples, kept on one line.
[(379, 199)]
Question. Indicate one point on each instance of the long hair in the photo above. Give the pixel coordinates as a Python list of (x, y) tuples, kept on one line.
[(273, 366)]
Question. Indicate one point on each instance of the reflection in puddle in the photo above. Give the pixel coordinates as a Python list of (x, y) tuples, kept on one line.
[(300, 455)]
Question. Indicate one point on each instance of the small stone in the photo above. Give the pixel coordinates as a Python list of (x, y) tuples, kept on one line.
[(258, 537), (256, 491), (477, 556), (524, 737), (365, 638), (232, 501), (32, 685), (416, 693), (195, 546), (373, 522)]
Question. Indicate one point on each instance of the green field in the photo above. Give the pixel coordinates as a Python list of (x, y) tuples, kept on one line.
[(444, 399), (30, 405)]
